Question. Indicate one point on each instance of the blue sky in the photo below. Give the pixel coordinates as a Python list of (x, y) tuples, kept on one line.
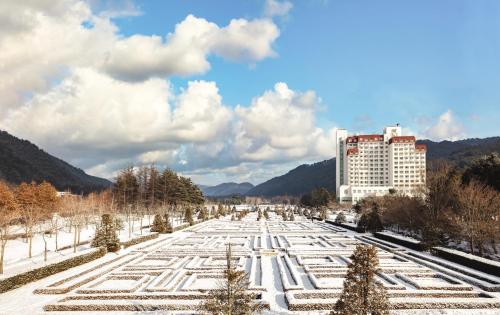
[(372, 63), (242, 90)]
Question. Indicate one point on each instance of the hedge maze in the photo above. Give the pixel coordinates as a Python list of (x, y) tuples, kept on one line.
[(294, 266)]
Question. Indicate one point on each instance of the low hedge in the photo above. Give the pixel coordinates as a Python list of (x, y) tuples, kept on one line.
[(140, 239), (43, 272), (468, 260), (399, 241), (71, 246), (346, 226)]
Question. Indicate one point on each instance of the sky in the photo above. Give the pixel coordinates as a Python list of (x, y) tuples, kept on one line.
[(242, 90)]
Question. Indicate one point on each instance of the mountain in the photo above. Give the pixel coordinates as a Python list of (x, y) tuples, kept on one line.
[(298, 181), (308, 177), (226, 189), (462, 152), (22, 161)]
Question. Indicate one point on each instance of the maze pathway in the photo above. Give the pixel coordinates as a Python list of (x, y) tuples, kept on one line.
[(293, 267)]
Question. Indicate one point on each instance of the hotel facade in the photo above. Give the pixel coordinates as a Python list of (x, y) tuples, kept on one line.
[(375, 164)]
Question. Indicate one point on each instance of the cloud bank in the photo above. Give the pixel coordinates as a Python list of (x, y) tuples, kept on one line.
[(74, 85)]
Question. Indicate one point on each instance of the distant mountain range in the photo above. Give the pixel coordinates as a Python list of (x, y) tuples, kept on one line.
[(22, 161), (298, 181), (307, 177), (226, 189), (462, 152)]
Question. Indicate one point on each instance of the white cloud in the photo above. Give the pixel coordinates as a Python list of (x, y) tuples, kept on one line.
[(448, 127), (73, 85), (185, 51), (280, 124), (277, 8), (47, 39)]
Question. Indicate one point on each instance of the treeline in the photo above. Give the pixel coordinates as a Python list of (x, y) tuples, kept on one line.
[(150, 188), (458, 207), (137, 194), (317, 198), (38, 209)]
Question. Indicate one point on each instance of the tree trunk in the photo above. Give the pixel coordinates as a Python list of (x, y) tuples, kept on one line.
[(79, 232), (74, 241), (45, 246), (471, 244), (30, 243), (2, 252), (129, 227), (57, 238)]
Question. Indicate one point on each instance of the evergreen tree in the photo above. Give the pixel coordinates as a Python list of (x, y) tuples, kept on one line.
[(266, 214), (231, 297), (168, 225), (159, 225), (363, 221), (203, 214), (188, 216), (284, 216), (323, 214), (220, 210), (340, 218), (374, 223), (362, 295), (292, 217), (106, 235)]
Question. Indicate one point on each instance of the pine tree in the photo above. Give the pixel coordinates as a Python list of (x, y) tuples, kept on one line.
[(188, 216), (159, 225), (203, 214), (284, 216), (362, 295), (323, 214), (340, 218), (292, 217), (106, 235), (231, 297), (374, 220), (168, 225), (266, 214)]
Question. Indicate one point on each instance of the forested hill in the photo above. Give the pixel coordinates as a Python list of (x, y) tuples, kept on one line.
[(299, 180), (22, 161), (226, 189), (462, 152), (308, 177)]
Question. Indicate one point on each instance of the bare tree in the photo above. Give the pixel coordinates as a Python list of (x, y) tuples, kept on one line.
[(47, 204), (479, 214), (8, 211)]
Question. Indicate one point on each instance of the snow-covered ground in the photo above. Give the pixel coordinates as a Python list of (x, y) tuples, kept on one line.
[(16, 258), (297, 267)]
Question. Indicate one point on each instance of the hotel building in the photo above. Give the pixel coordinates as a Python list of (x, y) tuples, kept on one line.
[(372, 165)]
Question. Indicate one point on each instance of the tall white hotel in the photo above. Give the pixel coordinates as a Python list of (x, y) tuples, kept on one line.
[(371, 165)]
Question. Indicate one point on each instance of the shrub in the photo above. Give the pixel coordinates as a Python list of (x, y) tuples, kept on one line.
[(340, 218), (159, 225), (106, 235), (168, 225), (139, 240)]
